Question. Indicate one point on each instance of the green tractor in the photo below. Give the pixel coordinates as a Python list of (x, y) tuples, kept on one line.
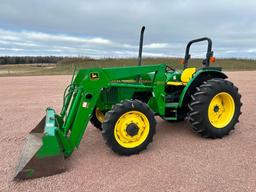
[(122, 102)]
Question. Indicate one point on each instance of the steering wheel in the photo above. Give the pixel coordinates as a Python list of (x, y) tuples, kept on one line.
[(169, 68)]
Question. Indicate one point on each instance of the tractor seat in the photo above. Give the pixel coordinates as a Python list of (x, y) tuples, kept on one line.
[(185, 77)]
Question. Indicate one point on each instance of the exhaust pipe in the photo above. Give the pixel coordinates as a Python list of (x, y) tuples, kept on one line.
[(141, 45), (140, 50)]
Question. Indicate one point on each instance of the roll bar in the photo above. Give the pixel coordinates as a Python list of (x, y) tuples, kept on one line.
[(209, 54)]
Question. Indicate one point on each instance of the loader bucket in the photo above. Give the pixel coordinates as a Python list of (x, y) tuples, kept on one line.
[(42, 154)]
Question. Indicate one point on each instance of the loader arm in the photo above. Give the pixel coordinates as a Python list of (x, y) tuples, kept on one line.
[(87, 87)]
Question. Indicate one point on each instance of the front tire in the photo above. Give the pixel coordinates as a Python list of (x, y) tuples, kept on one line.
[(214, 108), (129, 127)]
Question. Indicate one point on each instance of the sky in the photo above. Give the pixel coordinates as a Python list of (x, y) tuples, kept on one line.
[(100, 28)]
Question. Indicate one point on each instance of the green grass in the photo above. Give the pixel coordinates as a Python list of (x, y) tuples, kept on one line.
[(66, 66)]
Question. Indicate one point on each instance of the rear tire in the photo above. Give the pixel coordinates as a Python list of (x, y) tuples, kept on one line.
[(214, 108), (129, 127)]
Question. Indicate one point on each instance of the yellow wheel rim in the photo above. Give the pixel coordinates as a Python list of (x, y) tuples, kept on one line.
[(221, 110), (137, 119), (99, 115)]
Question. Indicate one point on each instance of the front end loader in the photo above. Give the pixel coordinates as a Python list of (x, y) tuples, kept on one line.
[(122, 102)]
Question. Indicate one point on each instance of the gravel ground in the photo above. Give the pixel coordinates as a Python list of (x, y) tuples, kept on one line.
[(178, 160)]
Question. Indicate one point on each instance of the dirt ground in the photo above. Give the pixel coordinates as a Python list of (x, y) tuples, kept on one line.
[(177, 160)]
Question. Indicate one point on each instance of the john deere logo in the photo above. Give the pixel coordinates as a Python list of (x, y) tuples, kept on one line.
[(94, 76)]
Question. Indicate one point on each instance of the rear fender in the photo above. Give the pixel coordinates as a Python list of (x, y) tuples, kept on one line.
[(199, 77)]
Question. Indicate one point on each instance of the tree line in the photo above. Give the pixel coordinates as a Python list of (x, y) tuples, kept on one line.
[(29, 59)]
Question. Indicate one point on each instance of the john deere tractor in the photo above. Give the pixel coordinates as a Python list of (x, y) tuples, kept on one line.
[(122, 102)]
